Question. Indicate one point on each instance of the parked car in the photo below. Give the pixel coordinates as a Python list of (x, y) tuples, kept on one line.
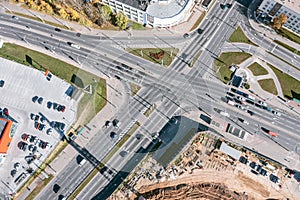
[(25, 137), (40, 100), (39, 126), (34, 99), (264, 172), (107, 124), (253, 165), (61, 108), (15, 17), (113, 135), (116, 123), (49, 104), (22, 145), (243, 160), (274, 178), (2, 83), (259, 168), (262, 103), (276, 113), (186, 35)]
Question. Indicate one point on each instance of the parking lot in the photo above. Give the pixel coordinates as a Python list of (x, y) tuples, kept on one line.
[(42, 112)]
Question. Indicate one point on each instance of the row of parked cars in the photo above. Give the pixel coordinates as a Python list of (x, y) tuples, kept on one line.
[(258, 169), (33, 141)]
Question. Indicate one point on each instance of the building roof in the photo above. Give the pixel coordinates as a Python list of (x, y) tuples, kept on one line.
[(5, 139), (166, 9), (139, 4), (236, 154), (291, 4)]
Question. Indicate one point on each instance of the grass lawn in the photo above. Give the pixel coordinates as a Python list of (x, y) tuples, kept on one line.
[(166, 59), (39, 187), (223, 63), (89, 103), (287, 46), (134, 88), (239, 36), (268, 85), (289, 35), (290, 86), (257, 69), (199, 20)]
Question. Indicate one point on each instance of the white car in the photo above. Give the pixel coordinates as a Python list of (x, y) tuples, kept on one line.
[(262, 103), (76, 46), (276, 113), (240, 107)]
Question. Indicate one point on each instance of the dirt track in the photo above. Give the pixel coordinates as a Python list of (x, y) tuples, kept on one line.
[(210, 185)]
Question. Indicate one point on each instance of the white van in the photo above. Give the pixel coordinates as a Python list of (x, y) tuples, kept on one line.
[(82, 162)]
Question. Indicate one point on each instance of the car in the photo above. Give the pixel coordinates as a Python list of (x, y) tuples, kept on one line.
[(223, 6), (200, 31), (274, 178), (76, 46), (22, 145), (253, 165), (82, 162), (107, 124), (49, 131), (2, 83), (62, 126), (32, 148), (42, 119), (57, 29), (123, 153), (230, 94), (32, 139), (262, 103), (54, 105), (25, 137), (116, 123), (34, 99), (276, 113), (56, 188), (250, 112), (186, 35), (113, 135), (240, 107), (259, 168), (36, 118), (5, 111), (254, 172), (49, 104), (40, 100), (15, 17), (61, 108), (28, 27), (229, 5), (243, 160), (39, 126), (241, 98), (243, 121), (264, 172), (49, 76)]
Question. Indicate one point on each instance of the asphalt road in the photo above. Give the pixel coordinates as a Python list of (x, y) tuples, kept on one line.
[(173, 89)]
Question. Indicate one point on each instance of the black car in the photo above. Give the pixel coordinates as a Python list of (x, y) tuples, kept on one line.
[(56, 188), (2, 83), (49, 104), (264, 172), (54, 105), (229, 5), (113, 135), (253, 165), (250, 112), (274, 178), (200, 31), (57, 29), (40, 100), (34, 99), (243, 160)]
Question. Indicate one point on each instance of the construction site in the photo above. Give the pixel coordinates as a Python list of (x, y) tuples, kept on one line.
[(203, 171)]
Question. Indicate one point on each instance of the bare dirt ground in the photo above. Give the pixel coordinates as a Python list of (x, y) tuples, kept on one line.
[(208, 184)]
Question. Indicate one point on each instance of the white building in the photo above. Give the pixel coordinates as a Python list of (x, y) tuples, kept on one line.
[(290, 8), (155, 13)]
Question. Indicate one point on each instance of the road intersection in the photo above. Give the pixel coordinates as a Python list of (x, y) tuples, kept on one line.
[(176, 86)]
